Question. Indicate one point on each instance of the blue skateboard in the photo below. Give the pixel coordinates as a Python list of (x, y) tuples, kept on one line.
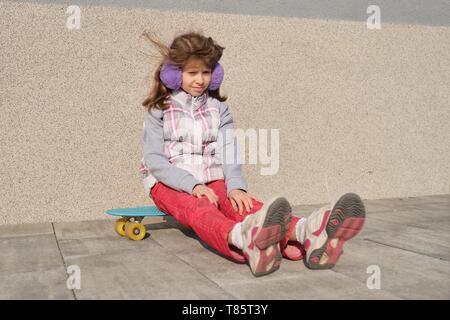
[(130, 223)]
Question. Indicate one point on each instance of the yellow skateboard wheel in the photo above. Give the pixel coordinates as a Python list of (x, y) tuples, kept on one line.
[(120, 226), (135, 231)]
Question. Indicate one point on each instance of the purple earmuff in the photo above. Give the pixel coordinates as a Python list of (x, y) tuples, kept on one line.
[(171, 76)]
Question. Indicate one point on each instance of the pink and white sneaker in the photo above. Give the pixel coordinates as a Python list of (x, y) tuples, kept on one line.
[(261, 234), (326, 231)]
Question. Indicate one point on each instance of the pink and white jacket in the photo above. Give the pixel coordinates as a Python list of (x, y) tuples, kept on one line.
[(190, 143)]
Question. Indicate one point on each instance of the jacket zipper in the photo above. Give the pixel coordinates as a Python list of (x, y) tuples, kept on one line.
[(192, 108)]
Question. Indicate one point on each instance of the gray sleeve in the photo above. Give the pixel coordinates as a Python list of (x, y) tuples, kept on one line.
[(229, 147), (156, 159)]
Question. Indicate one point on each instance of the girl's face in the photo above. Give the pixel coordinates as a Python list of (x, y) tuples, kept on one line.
[(196, 77)]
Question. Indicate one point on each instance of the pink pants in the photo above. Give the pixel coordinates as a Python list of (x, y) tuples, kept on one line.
[(213, 224)]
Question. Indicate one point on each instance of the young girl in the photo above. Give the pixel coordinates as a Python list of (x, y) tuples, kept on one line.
[(185, 140)]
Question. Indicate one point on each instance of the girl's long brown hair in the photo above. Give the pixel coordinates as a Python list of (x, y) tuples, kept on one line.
[(183, 47)]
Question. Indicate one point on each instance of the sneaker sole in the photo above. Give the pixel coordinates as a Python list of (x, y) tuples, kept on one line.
[(274, 258), (346, 221), (275, 224), (273, 230)]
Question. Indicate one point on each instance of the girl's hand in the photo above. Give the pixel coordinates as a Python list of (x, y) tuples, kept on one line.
[(239, 199), (202, 190)]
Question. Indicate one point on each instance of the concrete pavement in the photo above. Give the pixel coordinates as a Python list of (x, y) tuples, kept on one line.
[(406, 240)]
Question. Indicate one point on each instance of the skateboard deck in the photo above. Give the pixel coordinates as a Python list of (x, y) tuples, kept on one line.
[(136, 212), (130, 223)]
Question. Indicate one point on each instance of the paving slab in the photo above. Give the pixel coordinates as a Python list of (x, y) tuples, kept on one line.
[(105, 227), (437, 208), (374, 207), (32, 267), (443, 198), (227, 274), (433, 243), (407, 239), (179, 239), (84, 229), (403, 273), (149, 273), (28, 254), (411, 203), (28, 229), (230, 275), (48, 284), (89, 247), (309, 284), (114, 267), (415, 224), (416, 218)]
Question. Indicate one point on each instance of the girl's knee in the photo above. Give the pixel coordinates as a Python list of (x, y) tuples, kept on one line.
[(204, 202), (257, 205)]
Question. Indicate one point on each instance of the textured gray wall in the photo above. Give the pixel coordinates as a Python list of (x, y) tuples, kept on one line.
[(358, 110)]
